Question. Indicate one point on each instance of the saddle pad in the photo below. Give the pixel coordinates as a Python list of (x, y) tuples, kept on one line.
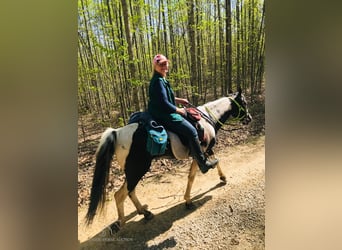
[(180, 151)]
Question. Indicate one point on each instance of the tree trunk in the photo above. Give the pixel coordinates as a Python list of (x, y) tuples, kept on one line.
[(228, 47), (192, 46), (131, 64), (238, 44)]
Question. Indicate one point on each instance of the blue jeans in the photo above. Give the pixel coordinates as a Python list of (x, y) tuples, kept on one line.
[(187, 131), (183, 128)]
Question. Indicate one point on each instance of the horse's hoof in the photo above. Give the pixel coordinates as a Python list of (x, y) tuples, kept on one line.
[(148, 215), (115, 227), (190, 206), (223, 179)]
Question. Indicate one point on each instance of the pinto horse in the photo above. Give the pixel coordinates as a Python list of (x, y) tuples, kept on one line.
[(129, 145)]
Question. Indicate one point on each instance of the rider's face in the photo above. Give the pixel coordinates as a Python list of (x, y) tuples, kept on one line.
[(162, 68)]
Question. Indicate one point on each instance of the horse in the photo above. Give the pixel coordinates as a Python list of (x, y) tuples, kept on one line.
[(128, 143)]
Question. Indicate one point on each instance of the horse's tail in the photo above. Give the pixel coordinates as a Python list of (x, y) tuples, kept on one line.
[(104, 156)]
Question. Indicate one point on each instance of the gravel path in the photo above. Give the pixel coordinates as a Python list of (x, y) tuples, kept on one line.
[(230, 216)]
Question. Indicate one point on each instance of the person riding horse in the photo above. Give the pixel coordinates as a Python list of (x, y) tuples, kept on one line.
[(162, 107), (129, 142)]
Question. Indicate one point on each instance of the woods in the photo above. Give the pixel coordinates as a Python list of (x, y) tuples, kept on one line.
[(213, 46)]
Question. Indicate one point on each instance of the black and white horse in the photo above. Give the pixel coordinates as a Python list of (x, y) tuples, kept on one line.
[(129, 145)]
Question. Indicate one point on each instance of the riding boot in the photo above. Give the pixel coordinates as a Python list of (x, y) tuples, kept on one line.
[(196, 152)]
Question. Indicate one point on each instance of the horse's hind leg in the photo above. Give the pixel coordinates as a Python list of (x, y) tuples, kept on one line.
[(140, 209), (191, 177), (120, 197)]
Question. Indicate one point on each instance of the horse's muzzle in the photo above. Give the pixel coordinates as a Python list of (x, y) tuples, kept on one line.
[(247, 119)]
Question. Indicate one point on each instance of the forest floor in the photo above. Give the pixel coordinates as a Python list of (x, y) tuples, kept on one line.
[(230, 216)]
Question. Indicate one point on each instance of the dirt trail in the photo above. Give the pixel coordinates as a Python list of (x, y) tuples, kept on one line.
[(230, 216)]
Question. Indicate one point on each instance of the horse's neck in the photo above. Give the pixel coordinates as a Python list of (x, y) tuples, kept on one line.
[(217, 108)]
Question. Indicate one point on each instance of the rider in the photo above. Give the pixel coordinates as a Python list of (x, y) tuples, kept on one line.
[(162, 106)]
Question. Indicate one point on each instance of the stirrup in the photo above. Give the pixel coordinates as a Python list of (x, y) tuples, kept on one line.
[(209, 164)]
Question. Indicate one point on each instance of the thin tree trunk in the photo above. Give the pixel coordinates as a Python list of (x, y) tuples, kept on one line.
[(228, 47), (131, 64), (198, 53), (251, 46), (192, 45), (238, 44)]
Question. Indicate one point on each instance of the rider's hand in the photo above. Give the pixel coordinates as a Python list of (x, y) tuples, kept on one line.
[(181, 111), (182, 101)]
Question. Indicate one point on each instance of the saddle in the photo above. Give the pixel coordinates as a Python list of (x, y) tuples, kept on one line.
[(193, 116), (178, 144)]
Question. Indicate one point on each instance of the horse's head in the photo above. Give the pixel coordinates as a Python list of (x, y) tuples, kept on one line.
[(240, 110)]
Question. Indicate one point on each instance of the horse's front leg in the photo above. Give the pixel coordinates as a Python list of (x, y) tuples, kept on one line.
[(220, 173), (191, 177), (219, 170)]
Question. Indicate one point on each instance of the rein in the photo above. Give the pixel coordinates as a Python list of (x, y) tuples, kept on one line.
[(212, 119), (205, 116)]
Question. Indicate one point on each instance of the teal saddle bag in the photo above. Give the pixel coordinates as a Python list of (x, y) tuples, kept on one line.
[(156, 134)]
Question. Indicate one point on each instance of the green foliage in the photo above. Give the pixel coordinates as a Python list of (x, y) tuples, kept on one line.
[(121, 122), (137, 82), (162, 26)]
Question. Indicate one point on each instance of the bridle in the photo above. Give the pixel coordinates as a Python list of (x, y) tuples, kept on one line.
[(238, 117)]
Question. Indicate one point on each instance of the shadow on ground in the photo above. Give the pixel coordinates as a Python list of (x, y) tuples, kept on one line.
[(136, 234)]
